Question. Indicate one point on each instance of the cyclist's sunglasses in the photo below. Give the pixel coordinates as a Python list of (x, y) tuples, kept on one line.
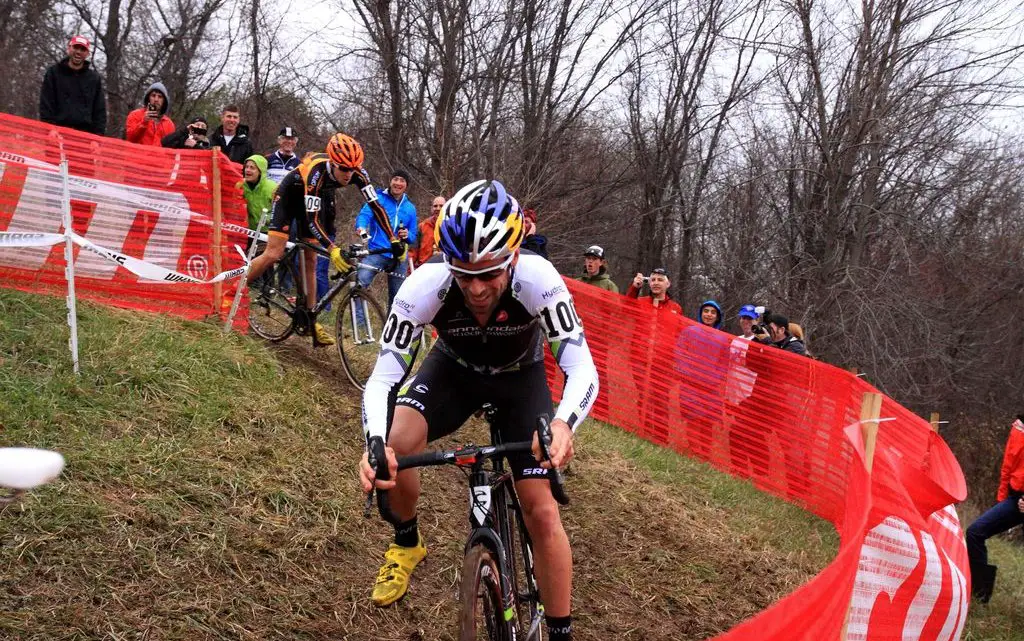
[(465, 276)]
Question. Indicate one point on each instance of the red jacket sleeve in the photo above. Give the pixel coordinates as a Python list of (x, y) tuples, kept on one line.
[(1012, 459), (135, 125), (166, 127), (633, 291)]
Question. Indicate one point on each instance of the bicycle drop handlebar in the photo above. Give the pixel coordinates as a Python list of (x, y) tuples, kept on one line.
[(465, 456)]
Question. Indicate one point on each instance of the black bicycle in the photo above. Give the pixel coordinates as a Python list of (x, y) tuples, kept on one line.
[(277, 307), (498, 593)]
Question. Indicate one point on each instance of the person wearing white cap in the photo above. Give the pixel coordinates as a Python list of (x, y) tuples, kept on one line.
[(284, 159), (72, 92), (595, 269)]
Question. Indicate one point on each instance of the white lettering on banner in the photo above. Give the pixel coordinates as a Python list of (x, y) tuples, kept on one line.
[(198, 267), (116, 208), (889, 556), (29, 239)]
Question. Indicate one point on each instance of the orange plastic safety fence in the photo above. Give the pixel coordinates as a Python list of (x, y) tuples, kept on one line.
[(158, 205), (790, 425)]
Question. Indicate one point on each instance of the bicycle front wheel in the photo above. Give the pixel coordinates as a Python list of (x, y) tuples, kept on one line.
[(360, 320), (481, 616), (272, 299)]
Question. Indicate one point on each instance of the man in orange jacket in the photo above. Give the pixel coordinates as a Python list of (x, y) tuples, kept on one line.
[(1008, 512), (427, 248)]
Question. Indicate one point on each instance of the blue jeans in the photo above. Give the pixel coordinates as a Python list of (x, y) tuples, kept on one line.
[(381, 262), (323, 283), (999, 518)]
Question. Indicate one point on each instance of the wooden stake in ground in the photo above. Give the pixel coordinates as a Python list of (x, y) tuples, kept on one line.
[(870, 410), (218, 217)]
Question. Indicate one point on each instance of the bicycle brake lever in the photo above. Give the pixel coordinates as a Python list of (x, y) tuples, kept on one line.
[(556, 475)]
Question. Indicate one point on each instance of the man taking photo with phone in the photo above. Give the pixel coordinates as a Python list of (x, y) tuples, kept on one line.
[(149, 124)]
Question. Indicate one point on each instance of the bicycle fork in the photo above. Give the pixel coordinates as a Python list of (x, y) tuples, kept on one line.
[(480, 496)]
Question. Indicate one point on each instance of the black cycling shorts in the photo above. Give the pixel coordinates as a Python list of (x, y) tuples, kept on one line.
[(447, 394), (286, 219)]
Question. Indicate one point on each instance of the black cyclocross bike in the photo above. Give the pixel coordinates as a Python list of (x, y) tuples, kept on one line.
[(498, 594), (277, 307)]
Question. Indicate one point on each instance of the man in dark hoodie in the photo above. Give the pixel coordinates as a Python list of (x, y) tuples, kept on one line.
[(232, 137), (595, 269), (191, 136), (72, 92), (149, 124)]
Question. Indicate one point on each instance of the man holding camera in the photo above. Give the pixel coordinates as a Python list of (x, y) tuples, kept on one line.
[(775, 331), (149, 124), (191, 136), (658, 282)]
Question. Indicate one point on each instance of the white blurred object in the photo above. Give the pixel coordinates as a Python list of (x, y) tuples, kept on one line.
[(23, 468)]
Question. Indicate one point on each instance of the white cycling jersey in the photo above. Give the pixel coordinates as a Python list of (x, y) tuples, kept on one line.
[(536, 300)]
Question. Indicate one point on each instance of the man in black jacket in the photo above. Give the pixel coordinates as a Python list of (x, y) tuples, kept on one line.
[(231, 137), (777, 333), (72, 92), (191, 136)]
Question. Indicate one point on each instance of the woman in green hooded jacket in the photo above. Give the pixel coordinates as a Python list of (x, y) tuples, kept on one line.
[(257, 189)]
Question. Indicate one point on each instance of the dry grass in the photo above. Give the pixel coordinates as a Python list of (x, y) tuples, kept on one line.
[(210, 494)]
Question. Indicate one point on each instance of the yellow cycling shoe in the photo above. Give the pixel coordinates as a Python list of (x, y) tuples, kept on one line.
[(393, 578), (321, 336)]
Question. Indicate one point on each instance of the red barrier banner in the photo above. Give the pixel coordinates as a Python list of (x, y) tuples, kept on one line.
[(160, 206), (791, 426)]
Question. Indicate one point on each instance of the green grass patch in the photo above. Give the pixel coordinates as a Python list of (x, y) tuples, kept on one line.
[(210, 493)]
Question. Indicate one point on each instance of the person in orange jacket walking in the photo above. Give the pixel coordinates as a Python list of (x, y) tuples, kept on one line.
[(427, 247), (148, 124), (1005, 514)]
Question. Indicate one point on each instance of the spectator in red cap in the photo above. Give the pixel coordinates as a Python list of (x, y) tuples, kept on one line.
[(72, 92)]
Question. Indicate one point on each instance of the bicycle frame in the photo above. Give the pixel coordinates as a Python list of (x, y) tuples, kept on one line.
[(343, 280), (489, 490)]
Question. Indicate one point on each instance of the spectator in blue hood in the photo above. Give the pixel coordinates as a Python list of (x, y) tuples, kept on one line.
[(402, 214), (710, 314), (702, 362)]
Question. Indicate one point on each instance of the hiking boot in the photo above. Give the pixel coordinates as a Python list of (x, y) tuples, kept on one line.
[(321, 337), (393, 578), (983, 580)]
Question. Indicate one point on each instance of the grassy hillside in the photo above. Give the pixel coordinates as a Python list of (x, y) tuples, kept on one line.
[(210, 493)]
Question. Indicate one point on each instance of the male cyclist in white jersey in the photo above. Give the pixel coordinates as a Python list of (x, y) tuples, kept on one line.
[(490, 304)]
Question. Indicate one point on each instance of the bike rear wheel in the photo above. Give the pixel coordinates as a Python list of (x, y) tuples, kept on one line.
[(272, 300), (481, 615), (360, 320)]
